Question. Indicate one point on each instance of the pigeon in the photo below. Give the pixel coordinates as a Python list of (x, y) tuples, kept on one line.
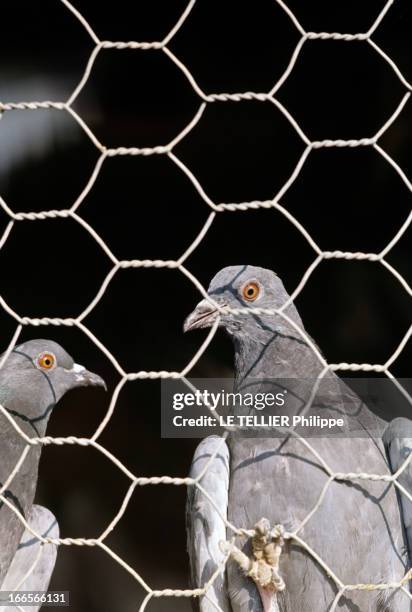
[(269, 484), (34, 377)]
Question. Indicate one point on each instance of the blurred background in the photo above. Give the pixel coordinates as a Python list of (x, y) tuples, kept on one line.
[(144, 207)]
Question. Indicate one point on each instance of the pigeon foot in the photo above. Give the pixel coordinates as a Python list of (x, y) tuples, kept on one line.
[(263, 568)]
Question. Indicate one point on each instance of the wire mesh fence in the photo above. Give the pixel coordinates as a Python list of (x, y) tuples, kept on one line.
[(181, 265)]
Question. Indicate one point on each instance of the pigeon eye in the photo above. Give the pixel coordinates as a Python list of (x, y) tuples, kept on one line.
[(251, 292), (46, 361)]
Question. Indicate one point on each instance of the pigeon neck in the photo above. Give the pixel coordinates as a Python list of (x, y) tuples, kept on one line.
[(30, 413), (275, 354), (284, 364)]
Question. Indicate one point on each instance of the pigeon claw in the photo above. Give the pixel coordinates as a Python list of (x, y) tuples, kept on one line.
[(263, 568)]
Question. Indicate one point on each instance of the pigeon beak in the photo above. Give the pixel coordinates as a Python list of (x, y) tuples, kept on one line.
[(204, 315), (84, 378)]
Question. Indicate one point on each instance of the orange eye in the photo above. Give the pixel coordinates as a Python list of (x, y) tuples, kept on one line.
[(251, 292), (46, 361)]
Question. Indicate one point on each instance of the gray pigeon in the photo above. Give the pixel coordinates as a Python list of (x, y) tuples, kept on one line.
[(33, 379), (263, 482)]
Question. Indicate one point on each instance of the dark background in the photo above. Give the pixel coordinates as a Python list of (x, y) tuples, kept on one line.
[(348, 199)]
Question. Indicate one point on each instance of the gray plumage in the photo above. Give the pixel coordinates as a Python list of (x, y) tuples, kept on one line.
[(398, 441), (33, 379), (357, 530), (204, 533), (33, 563)]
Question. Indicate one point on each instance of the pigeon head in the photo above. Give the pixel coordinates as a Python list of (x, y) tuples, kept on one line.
[(36, 375), (244, 287)]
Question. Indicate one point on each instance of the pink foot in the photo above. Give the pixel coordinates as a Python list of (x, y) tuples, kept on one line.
[(268, 598)]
